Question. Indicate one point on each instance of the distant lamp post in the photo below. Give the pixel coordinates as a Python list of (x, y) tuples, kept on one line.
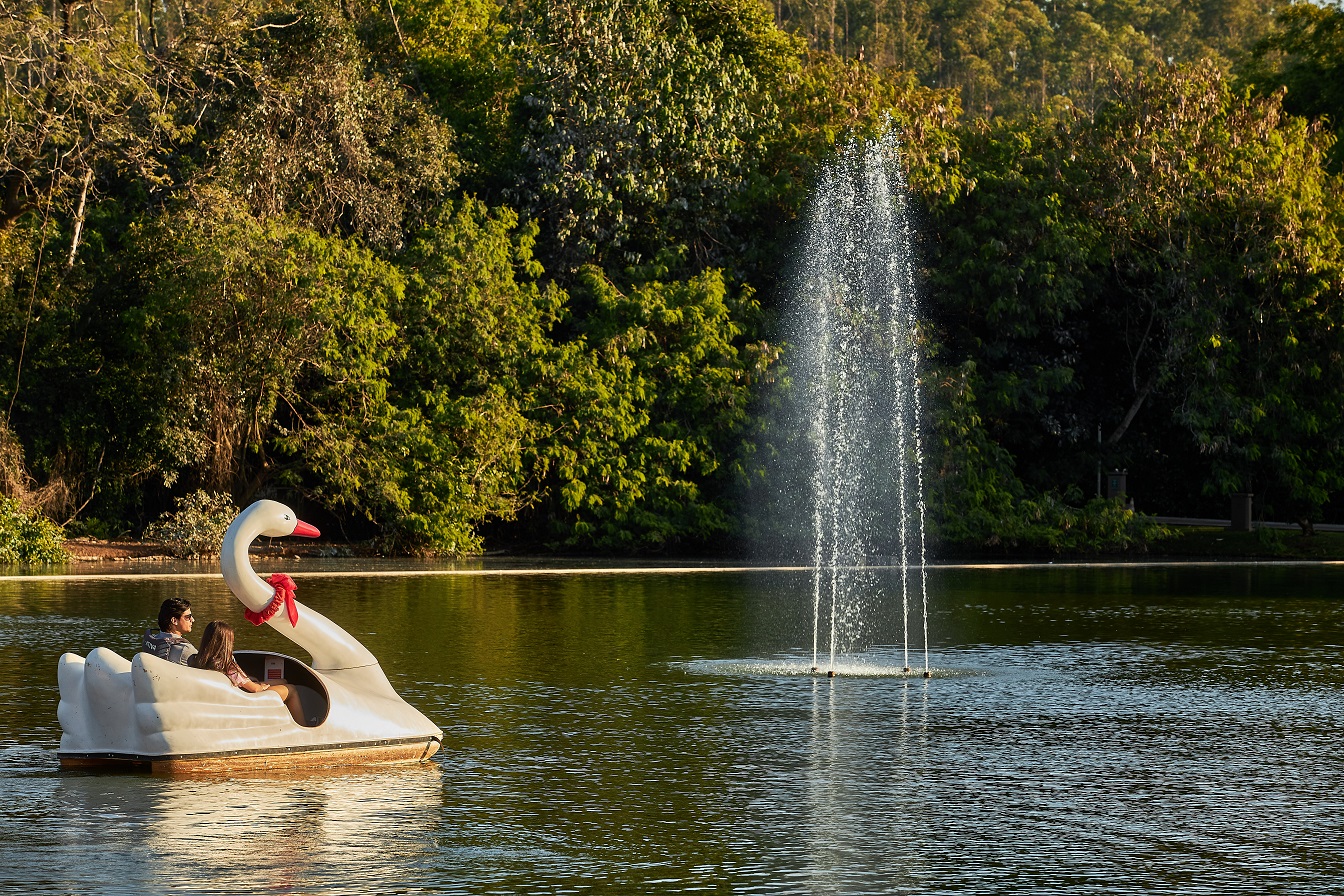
[(1115, 483), (1241, 512)]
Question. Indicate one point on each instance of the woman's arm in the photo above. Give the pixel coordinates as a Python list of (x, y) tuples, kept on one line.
[(240, 679)]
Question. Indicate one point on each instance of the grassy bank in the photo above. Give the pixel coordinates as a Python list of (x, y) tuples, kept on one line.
[(1278, 544)]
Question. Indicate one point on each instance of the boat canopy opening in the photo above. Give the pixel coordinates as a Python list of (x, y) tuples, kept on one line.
[(268, 667)]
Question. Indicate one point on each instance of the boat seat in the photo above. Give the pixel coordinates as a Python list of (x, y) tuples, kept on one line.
[(312, 693)]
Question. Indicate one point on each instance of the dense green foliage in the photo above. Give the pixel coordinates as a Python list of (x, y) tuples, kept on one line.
[(27, 538), (196, 526), (458, 271), (1156, 287)]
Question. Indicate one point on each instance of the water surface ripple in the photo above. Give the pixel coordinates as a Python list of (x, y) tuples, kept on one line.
[(1115, 731)]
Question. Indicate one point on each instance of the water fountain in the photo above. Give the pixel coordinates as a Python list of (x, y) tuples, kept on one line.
[(856, 352)]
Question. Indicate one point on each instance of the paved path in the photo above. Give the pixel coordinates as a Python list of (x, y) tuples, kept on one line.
[(1193, 521)]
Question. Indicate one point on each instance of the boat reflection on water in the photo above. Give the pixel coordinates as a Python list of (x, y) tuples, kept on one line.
[(254, 833)]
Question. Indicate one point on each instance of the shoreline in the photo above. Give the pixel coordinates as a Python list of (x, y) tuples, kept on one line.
[(92, 550), (152, 567), (132, 575), (1194, 545)]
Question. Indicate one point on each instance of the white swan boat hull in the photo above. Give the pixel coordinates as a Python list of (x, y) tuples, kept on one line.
[(152, 715)]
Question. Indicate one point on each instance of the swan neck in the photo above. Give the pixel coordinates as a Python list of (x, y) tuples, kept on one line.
[(236, 566)]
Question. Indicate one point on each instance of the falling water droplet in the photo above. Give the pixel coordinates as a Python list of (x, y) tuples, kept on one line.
[(856, 343)]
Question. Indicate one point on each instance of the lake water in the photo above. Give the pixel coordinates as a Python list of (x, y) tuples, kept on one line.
[(1088, 730)]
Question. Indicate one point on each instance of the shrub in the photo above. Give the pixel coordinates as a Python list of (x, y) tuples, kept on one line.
[(26, 538), (1271, 541), (196, 528), (1051, 522), (1100, 525)]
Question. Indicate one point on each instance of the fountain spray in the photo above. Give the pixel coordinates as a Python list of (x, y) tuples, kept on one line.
[(856, 338)]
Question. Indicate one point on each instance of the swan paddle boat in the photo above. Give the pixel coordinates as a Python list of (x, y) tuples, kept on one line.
[(149, 714)]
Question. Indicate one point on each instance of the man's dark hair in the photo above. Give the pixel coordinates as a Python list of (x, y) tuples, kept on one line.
[(171, 609)]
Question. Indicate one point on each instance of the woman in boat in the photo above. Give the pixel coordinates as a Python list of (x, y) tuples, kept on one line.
[(216, 654)]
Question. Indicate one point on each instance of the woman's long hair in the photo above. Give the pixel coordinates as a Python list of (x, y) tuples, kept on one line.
[(216, 648)]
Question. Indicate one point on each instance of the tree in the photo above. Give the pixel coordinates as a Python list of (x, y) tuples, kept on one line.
[(447, 452), (80, 101), (1304, 56), (1156, 271), (635, 132), (463, 58), (300, 120), (1006, 58), (248, 341), (645, 413)]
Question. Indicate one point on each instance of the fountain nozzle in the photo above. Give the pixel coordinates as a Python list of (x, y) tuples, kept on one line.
[(928, 674), (830, 673)]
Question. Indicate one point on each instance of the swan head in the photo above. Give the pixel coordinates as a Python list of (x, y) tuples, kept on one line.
[(275, 520)]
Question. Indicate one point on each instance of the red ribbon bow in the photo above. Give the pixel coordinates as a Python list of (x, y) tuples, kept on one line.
[(284, 595)]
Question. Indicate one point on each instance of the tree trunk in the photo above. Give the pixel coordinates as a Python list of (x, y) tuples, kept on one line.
[(79, 217), (1133, 410)]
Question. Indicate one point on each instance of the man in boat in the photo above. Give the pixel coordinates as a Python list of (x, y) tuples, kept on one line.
[(169, 643)]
